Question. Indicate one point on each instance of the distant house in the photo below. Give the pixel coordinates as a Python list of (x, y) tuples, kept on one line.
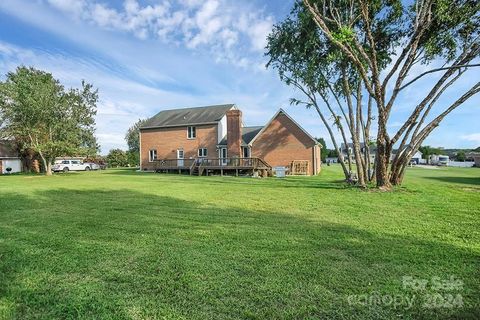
[(418, 158), (346, 149), (476, 158), (9, 158), (331, 160), (214, 139)]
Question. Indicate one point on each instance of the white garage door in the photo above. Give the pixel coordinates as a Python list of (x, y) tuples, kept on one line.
[(15, 164)]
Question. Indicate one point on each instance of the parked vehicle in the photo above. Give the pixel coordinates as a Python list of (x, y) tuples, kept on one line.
[(93, 165), (71, 165), (439, 160)]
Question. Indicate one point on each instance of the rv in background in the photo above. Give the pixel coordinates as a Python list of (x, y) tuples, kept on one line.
[(439, 160)]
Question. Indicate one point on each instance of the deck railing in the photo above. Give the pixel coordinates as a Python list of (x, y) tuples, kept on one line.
[(253, 163)]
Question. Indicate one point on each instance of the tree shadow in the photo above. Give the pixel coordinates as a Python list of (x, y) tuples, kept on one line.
[(271, 182), (125, 254), (458, 180)]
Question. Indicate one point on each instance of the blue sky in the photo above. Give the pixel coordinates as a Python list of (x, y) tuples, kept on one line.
[(146, 56)]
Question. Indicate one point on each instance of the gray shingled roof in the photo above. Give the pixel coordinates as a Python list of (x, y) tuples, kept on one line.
[(187, 116), (7, 149), (248, 133)]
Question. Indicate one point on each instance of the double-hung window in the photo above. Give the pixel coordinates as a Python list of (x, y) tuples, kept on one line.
[(191, 132), (152, 155), (202, 152)]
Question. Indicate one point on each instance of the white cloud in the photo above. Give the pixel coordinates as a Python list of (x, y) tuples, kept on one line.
[(474, 137), (75, 7), (223, 28)]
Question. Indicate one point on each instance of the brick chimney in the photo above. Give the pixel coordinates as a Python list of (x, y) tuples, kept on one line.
[(234, 133)]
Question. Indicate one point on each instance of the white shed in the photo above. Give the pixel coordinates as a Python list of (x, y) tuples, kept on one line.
[(9, 158)]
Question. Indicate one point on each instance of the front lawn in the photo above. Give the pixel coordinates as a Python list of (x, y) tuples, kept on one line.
[(118, 244)]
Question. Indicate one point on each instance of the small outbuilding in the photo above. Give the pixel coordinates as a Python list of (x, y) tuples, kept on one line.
[(10, 161)]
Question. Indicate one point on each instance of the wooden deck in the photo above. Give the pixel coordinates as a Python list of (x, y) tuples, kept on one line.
[(210, 166)]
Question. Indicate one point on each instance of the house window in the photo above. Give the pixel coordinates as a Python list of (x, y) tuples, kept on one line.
[(152, 155), (191, 132), (202, 152), (246, 152)]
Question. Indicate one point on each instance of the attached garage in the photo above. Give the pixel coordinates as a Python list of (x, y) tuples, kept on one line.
[(282, 142)]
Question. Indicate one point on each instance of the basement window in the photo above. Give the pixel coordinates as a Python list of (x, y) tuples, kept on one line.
[(202, 152), (152, 155), (191, 132)]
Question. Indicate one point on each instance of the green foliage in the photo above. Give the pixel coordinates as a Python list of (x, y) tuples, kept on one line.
[(133, 158), (117, 158), (456, 23), (461, 156), (132, 136), (344, 35), (427, 151), (42, 116), (332, 153), (324, 151)]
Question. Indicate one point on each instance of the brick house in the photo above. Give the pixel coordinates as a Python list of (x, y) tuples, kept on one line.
[(213, 138)]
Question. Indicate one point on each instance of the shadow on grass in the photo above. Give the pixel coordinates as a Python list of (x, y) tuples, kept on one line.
[(458, 180), (124, 254), (288, 182)]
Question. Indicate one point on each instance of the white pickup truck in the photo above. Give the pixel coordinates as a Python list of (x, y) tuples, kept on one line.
[(71, 165)]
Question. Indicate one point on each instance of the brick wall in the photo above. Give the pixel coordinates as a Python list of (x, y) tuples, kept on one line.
[(234, 135), (167, 140), (283, 142)]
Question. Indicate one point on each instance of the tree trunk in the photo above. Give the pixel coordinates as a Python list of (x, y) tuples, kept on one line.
[(48, 171), (382, 159), (358, 161), (47, 164)]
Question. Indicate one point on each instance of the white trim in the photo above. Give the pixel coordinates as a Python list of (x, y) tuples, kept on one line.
[(140, 148), (273, 118), (193, 130), (202, 156), (180, 161), (150, 155)]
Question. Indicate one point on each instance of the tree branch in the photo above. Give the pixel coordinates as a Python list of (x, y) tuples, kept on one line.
[(436, 70)]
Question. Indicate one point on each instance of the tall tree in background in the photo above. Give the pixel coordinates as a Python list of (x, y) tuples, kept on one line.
[(324, 151), (42, 116), (132, 137), (367, 33)]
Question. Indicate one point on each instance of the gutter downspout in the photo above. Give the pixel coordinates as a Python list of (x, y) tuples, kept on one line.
[(140, 148)]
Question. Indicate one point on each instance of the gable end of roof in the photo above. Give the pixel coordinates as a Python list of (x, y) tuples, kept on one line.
[(281, 111)]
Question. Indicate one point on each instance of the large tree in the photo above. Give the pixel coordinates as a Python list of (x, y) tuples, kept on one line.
[(117, 158), (374, 45), (330, 84), (41, 115), (132, 137)]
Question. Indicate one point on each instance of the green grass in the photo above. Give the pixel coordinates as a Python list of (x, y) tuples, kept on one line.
[(125, 245)]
